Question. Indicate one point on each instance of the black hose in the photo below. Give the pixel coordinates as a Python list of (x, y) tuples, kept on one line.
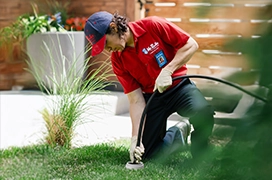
[(191, 76), (222, 81)]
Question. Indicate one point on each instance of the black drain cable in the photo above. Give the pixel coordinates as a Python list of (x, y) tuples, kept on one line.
[(184, 78)]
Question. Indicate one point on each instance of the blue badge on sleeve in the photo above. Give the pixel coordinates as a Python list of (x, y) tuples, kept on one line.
[(161, 59)]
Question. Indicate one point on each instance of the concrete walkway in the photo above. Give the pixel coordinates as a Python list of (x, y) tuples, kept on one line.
[(21, 123)]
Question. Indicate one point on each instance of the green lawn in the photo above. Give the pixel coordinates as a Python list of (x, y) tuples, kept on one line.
[(107, 161)]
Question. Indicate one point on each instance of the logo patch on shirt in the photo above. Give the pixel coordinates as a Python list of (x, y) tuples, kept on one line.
[(161, 59), (151, 48), (145, 51)]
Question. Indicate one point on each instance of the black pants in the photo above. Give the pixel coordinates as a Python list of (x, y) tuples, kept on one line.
[(187, 101)]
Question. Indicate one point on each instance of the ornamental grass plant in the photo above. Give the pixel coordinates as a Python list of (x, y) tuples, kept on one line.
[(66, 83)]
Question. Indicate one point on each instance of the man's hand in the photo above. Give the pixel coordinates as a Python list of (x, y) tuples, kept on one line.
[(136, 152), (163, 81)]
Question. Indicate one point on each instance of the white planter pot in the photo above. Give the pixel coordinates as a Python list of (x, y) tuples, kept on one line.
[(56, 53)]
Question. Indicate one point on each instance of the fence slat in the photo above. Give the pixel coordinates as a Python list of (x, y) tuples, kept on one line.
[(242, 12), (206, 60), (246, 29)]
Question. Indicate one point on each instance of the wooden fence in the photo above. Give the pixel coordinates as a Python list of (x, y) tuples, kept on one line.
[(213, 24)]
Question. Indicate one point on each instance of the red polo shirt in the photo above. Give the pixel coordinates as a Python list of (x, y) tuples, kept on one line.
[(156, 42)]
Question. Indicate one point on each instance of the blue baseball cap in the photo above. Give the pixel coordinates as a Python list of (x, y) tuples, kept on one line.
[(95, 30)]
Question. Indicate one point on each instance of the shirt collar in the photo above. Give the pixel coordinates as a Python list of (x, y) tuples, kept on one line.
[(137, 30)]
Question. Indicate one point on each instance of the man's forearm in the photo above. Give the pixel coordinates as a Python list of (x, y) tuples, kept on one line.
[(136, 111), (183, 55), (136, 107)]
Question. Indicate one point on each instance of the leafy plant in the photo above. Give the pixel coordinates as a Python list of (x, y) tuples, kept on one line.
[(26, 25), (12, 36), (68, 92), (54, 20), (43, 23), (12, 33)]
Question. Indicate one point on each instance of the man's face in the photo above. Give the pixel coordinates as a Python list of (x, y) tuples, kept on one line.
[(115, 43)]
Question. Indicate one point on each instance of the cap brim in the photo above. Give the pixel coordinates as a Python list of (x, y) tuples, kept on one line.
[(99, 46)]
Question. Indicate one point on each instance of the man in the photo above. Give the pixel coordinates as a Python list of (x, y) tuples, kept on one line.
[(145, 55)]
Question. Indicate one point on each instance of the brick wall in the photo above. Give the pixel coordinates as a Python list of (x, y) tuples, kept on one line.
[(12, 59)]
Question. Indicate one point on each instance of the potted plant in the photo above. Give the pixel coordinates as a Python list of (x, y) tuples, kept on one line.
[(62, 45), (29, 24), (57, 33), (27, 34)]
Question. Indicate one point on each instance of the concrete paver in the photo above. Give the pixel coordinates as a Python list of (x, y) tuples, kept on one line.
[(21, 122)]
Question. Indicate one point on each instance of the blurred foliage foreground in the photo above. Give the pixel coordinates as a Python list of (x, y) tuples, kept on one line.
[(251, 146)]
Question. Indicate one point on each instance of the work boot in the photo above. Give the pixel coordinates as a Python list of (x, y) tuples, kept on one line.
[(185, 128)]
